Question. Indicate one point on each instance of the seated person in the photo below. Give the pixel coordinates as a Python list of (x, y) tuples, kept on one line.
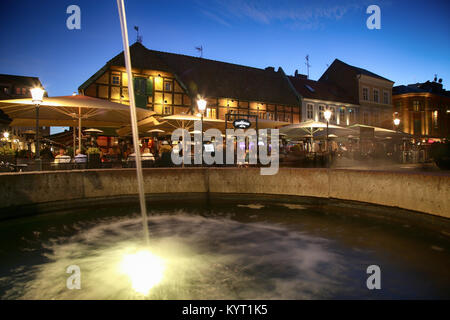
[(80, 158), (61, 157), (146, 155)]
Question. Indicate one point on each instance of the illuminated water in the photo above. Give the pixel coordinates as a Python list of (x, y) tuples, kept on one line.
[(233, 250)]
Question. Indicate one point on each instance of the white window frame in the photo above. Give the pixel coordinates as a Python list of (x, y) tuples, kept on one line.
[(321, 112), (333, 113), (310, 109)]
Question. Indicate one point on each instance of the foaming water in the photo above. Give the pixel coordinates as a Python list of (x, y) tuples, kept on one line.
[(205, 258), (232, 250)]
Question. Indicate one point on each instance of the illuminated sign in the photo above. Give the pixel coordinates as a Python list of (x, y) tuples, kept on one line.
[(241, 124)]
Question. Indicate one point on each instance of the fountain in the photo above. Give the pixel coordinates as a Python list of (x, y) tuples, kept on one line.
[(226, 248)]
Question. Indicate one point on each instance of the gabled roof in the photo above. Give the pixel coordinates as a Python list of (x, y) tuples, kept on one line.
[(320, 90), (358, 70), (212, 78), (14, 81), (22, 81)]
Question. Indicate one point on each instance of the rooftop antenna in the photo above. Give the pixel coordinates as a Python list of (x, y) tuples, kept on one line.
[(307, 63), (138, 37), (200, 49)]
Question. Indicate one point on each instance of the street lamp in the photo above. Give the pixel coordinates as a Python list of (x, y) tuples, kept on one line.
[(201, 104), (327, 115), (37, 95), (396, 123)]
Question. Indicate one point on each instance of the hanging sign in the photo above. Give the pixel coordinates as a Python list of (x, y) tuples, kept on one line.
[(241, 124)]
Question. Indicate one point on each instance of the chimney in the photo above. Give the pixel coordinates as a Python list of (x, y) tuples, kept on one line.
[(296, 73), (270, 69)]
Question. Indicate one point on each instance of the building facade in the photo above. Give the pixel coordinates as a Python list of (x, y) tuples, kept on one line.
[(423, 109), (320, 96), (370, 91), (169, 83), (18, 87)]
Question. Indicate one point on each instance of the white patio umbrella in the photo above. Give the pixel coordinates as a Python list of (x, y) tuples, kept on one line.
[(310, 128), (378, 131), (93, 130), (155, 131), (186, 121), (71, 111)]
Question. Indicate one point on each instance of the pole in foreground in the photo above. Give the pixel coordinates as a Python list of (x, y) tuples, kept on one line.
[(134, 126)]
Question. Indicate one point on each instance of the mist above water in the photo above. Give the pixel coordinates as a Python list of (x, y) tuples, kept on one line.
[(205, 258)]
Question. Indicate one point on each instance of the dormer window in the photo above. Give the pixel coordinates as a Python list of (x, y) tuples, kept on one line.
[(309, 88)]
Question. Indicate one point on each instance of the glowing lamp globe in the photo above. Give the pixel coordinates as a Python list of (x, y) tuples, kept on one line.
[(327, 115), (201, 103), (396, 121), (37, 95)]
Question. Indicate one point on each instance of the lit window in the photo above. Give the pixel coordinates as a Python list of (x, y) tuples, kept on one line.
[(18, 90), (116, 79), (309, 111), (333, 114), (167, 109), (416, 105), (435, 118), (321, 111), (375, 95), (341, 115), (167, 86), (211, 113), (365, 94)]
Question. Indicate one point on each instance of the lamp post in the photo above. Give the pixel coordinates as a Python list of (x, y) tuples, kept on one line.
[(37, 95), (201, 104), (396, 124), (327, 115), (5, 138)]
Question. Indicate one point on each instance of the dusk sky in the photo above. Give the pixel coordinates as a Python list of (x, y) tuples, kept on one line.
[(412, 45)]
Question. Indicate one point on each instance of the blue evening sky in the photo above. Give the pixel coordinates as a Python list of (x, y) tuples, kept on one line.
[(412, 45)]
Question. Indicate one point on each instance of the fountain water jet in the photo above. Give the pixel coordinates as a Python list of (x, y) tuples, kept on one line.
[(134, 126)]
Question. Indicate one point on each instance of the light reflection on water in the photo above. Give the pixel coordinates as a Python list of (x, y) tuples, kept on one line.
[(212, 257), (205, 259)]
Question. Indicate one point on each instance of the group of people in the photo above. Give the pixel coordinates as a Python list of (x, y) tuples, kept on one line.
[(62, 157)]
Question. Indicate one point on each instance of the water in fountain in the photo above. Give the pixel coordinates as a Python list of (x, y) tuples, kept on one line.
[(240, 251)]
